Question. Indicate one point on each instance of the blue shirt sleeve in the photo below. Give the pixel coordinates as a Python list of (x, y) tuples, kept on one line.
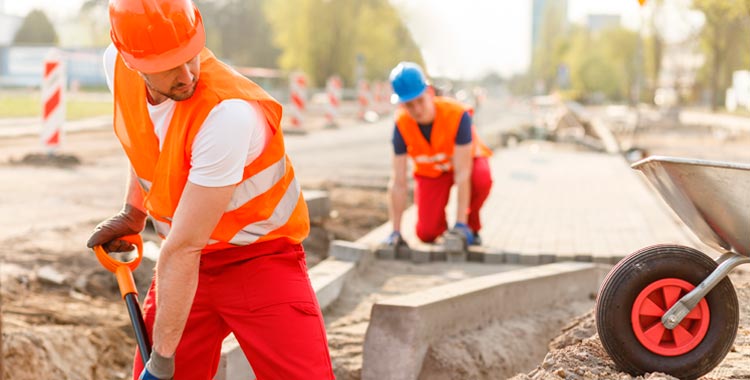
[(463, 136), (399, 145)]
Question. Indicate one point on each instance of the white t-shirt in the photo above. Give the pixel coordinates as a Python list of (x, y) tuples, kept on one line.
[(234, 134)]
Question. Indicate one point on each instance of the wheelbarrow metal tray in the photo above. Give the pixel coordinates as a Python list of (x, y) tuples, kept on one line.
[(711, 197)]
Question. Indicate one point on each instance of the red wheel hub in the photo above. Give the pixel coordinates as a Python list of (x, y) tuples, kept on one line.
[(652, 303)]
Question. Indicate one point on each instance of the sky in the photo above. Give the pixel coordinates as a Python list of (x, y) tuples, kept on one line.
[(464, 39)]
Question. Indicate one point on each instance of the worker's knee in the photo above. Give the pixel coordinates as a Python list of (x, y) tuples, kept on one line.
[(427, 235)]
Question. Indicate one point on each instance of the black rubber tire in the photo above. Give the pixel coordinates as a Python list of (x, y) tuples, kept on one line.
[(629, 277)]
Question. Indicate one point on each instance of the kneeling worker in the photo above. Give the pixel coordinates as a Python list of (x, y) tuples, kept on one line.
[(439, 136)]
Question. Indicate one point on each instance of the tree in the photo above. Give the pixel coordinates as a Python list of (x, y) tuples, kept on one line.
[(94, 14), (621, 50), (36, 29), (326, 37), (552, 45), (725, 26), (239, 32)]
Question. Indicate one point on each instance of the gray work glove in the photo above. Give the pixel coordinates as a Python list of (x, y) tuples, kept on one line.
[(158, 368), (129, 221)]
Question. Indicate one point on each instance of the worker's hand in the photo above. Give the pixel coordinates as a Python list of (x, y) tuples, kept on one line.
[(146, 375), (128, 221), (464, 230), (394, 239), (158, 368)]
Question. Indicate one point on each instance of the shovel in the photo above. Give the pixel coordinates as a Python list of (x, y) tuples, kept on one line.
[(124, 273)]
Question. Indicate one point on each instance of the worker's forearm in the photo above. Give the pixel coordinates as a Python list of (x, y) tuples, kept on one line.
[(176, 283), (464, 194), (398, 194), (463, 163)]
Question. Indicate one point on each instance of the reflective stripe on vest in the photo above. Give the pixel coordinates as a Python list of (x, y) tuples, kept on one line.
[(425, 159), (145, 184), (281, 214), (245, 192), (162, 228), (257, 184)]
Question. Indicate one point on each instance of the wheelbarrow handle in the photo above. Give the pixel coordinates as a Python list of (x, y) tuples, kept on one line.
[(123, 271)]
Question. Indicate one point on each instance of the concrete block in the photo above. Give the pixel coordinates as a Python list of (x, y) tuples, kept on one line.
[(403, 253), (357, 253), (386, 252), (546, 258), (420, 256), (529, 259), (233, 364), (616, 259), (476, 254), (512, 258), (453, 243), (492, 257), (328, 278), (563, 258), (318, 204), (456, 256), (401, 329), (601, 259), (438, 254)]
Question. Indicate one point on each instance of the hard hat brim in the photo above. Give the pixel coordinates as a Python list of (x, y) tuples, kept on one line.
[(166, 61), (396, 99)]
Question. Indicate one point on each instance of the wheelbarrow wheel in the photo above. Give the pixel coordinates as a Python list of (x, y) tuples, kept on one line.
[(640, 289)]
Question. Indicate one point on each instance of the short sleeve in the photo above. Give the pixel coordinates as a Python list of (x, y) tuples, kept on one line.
[(220, 149), (463, 136), (399, 145)]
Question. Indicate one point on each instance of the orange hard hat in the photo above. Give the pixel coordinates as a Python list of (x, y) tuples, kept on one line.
[(156, 35)]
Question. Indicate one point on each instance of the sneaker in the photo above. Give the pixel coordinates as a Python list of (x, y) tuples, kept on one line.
[(477, 239)]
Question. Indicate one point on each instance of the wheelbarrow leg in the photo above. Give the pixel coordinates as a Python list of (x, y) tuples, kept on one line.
[(678, 311)]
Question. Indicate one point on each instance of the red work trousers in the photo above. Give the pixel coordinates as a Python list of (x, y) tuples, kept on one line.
[(267, 301), (431, 196)]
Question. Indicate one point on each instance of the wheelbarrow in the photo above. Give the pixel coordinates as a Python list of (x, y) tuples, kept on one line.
[(671, 308)]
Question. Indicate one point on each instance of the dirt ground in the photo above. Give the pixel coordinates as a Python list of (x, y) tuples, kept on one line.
[(578, 354)]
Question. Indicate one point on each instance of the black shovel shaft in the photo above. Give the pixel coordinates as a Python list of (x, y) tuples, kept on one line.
[(139, 326)]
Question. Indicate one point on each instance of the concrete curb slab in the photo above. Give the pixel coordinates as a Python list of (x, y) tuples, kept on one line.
[(401, 329)]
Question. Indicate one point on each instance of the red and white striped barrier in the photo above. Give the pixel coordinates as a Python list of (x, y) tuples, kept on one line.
[(364, 97), (298, 96), (333, 90), (382, 97), (53, 100)]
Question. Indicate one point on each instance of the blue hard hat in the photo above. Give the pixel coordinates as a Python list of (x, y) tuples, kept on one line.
[(408, 82)]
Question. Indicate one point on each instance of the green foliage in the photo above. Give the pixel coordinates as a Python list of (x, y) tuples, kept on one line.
[(551, 46), (36, 29), (238, 31), (325, 37), (724, 42), (599, 64)]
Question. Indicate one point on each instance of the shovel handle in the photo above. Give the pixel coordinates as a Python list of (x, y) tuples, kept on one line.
[(123, 270), (112, 264)]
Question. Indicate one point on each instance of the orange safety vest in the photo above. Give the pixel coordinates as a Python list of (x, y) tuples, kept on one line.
[(266, 205), (431, 159)]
